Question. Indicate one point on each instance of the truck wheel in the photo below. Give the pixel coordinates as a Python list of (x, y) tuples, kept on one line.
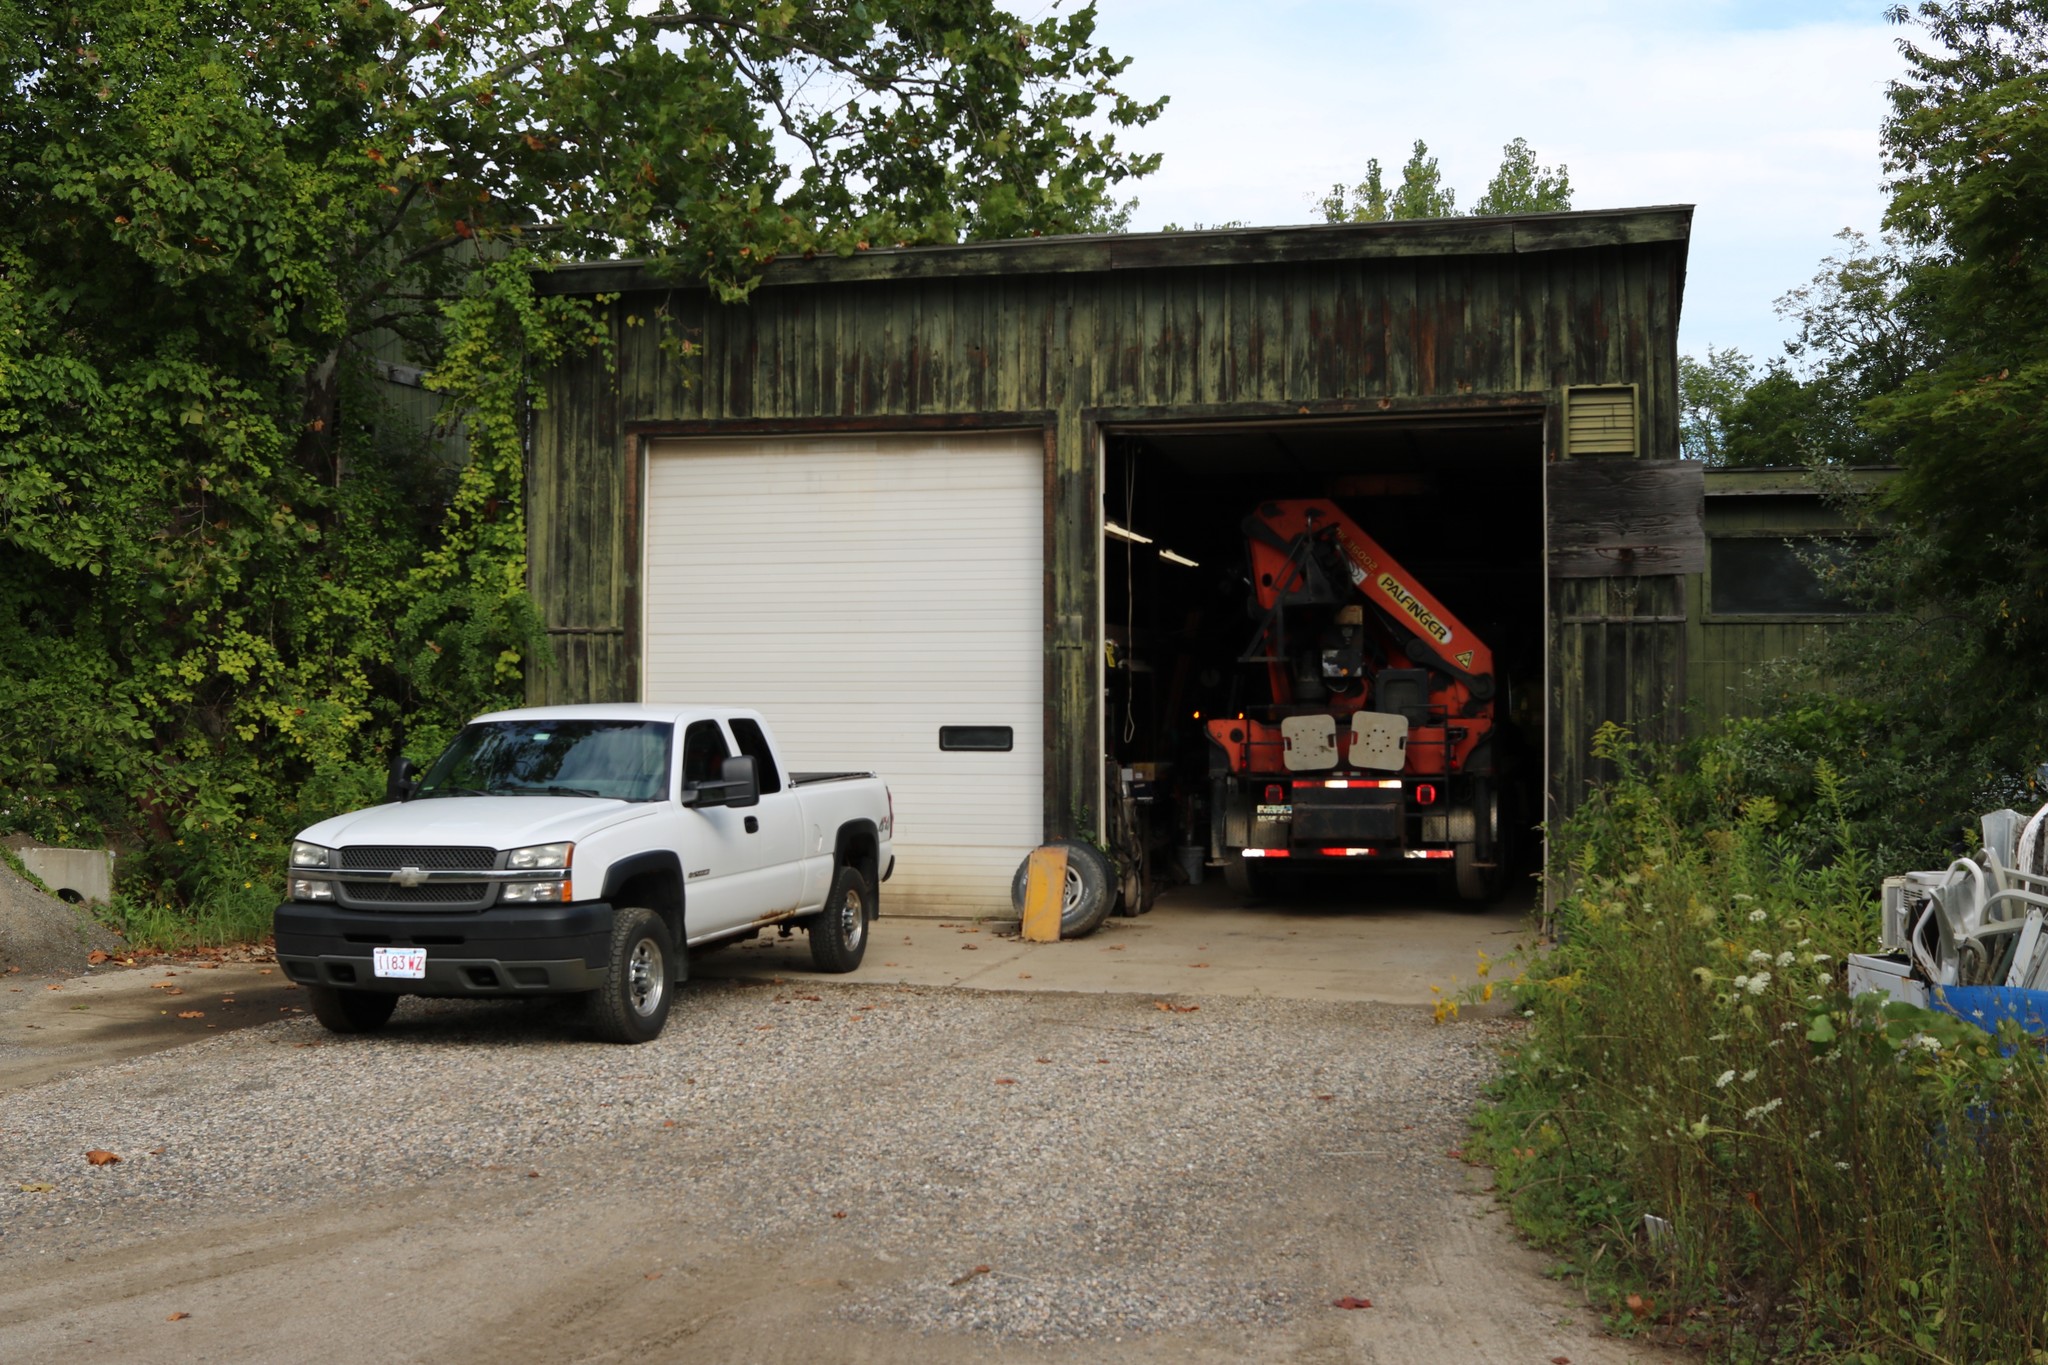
[(632, 1004), (1476, 885), (351, 1011), (1090, 891), (1250, 877), (839, 932)]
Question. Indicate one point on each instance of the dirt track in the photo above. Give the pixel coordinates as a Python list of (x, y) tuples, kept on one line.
[(483, 1184)]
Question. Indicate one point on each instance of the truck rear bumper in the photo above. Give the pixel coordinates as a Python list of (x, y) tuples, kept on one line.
[(542, 950)]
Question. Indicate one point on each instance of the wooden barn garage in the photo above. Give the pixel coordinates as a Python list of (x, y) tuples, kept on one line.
[(970, 515)]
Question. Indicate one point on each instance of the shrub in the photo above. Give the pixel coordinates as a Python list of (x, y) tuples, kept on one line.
[(1841, 1181)]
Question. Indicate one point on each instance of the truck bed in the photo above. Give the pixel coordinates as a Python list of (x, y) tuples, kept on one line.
[(813, 779)]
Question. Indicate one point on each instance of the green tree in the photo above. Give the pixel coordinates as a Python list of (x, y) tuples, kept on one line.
[(1519, 186), (1708, 391), (228, 583), (1523, 186), (1967, 149)]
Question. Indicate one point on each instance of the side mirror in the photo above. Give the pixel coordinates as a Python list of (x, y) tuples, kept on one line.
[(403, 780), (742, 778), (738, 784)]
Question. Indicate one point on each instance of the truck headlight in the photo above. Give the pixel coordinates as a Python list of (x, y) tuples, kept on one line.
[(310, 855), (531, 893), (539, 856), (305, 889)]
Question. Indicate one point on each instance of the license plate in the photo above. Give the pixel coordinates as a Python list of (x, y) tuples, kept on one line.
[(401, 962)]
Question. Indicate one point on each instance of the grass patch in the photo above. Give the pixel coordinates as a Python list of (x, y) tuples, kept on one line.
[(229, 917), (1840, 1182)]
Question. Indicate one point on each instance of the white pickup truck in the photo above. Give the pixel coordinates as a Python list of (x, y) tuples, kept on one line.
[(581, 850)]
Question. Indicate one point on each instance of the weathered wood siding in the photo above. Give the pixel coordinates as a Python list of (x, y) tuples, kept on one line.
[(1068, 336)]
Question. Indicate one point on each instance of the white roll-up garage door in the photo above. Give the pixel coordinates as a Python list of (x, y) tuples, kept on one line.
[(862, 593)]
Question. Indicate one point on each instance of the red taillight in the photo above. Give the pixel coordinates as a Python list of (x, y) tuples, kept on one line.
[(1345, 852), (1276, 795), (1425, 794), (1268, 852)]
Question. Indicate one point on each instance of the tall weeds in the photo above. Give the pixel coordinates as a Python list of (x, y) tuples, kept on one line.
[(1839, 1181)]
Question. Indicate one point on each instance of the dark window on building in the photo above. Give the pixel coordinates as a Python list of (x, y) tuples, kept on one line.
[(753, 744), (704, 750), (1778, 576)]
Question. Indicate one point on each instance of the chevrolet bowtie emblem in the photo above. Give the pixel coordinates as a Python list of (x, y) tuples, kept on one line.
[(409, 876)]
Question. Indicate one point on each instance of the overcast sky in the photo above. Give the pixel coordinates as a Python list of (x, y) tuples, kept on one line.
[(1763, 115)]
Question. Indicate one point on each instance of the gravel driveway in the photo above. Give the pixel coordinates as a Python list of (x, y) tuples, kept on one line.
[(793, 1172)]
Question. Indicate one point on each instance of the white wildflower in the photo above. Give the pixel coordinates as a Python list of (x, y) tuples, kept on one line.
[(1841, 1165), (1760, 1110), (1758, 982), (1784, 959), (1725, 1077), (1757, 917), (1744, 896), (1926, 1041), (1822, 957), (1759, 958), (1749, 1076)]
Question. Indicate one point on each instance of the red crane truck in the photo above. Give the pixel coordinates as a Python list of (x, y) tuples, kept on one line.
[(1377, 747)]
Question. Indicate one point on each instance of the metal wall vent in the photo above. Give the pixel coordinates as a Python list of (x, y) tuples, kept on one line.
[(1600, 420)]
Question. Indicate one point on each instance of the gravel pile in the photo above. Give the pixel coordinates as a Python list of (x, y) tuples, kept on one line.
[(41, 935), (1046, 1167)]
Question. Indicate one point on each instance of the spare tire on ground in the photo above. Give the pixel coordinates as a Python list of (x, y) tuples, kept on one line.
[(1089, 892)]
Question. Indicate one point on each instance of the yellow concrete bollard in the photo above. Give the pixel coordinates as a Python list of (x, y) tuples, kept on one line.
[(1045, 887)]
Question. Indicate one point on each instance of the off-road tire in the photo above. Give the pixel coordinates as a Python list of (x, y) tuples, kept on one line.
[(1476, 886), (839, 932), (639, 979), (1090, 890), (1251, 878), (344, 1011)]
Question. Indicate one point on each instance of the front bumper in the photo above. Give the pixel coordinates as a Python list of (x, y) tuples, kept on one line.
[(526, 950)]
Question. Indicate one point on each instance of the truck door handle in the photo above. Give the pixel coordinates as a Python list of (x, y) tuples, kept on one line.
[(753, 825)]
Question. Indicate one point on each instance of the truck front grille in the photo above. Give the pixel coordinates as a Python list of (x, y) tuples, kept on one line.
[(391, 857)]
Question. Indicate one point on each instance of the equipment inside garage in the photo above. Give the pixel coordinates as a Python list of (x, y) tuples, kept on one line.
[(1273, 710)]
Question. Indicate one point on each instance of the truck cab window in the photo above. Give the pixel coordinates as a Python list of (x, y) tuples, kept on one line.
[(753, 744), (704, 750)]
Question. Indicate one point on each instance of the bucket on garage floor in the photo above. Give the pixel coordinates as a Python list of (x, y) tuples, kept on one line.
[(1191, 859)]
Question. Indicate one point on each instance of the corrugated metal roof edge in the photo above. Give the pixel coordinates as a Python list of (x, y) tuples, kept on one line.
[(1506, 234)]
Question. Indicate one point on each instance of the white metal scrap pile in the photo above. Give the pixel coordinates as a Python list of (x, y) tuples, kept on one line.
[(1980, 922)]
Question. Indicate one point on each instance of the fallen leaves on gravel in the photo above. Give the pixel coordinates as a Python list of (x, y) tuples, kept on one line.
[(1006, 1080), (96, 957), (1197, 966), (1348, 1302), (53, 988), (100, 1158), (968, 948), (37, 1187), (1560, 1360), (177, 1317), (1640, 1307), (839, 1213), (652, 1275), (167, 988), (1170, 1008), (191, 1014), (963, 1279)]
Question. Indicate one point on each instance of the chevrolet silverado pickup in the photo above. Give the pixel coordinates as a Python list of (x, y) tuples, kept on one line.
[(581, 850)]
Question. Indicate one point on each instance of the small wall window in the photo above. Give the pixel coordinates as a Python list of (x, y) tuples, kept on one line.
[(988, 739), (1778, 576)]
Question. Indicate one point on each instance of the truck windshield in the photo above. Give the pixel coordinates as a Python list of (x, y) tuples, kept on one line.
[(625, 760)]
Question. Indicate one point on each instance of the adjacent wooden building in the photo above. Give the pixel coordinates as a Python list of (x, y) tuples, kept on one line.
[(874, 499)]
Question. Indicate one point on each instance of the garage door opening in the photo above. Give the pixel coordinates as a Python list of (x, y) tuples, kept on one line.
[(1457, 503)]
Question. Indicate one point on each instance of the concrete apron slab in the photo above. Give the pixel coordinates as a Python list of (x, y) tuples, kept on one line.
[(1338, 942)]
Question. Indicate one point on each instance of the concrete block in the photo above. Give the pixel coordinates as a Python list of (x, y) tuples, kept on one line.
[(87, 874)]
